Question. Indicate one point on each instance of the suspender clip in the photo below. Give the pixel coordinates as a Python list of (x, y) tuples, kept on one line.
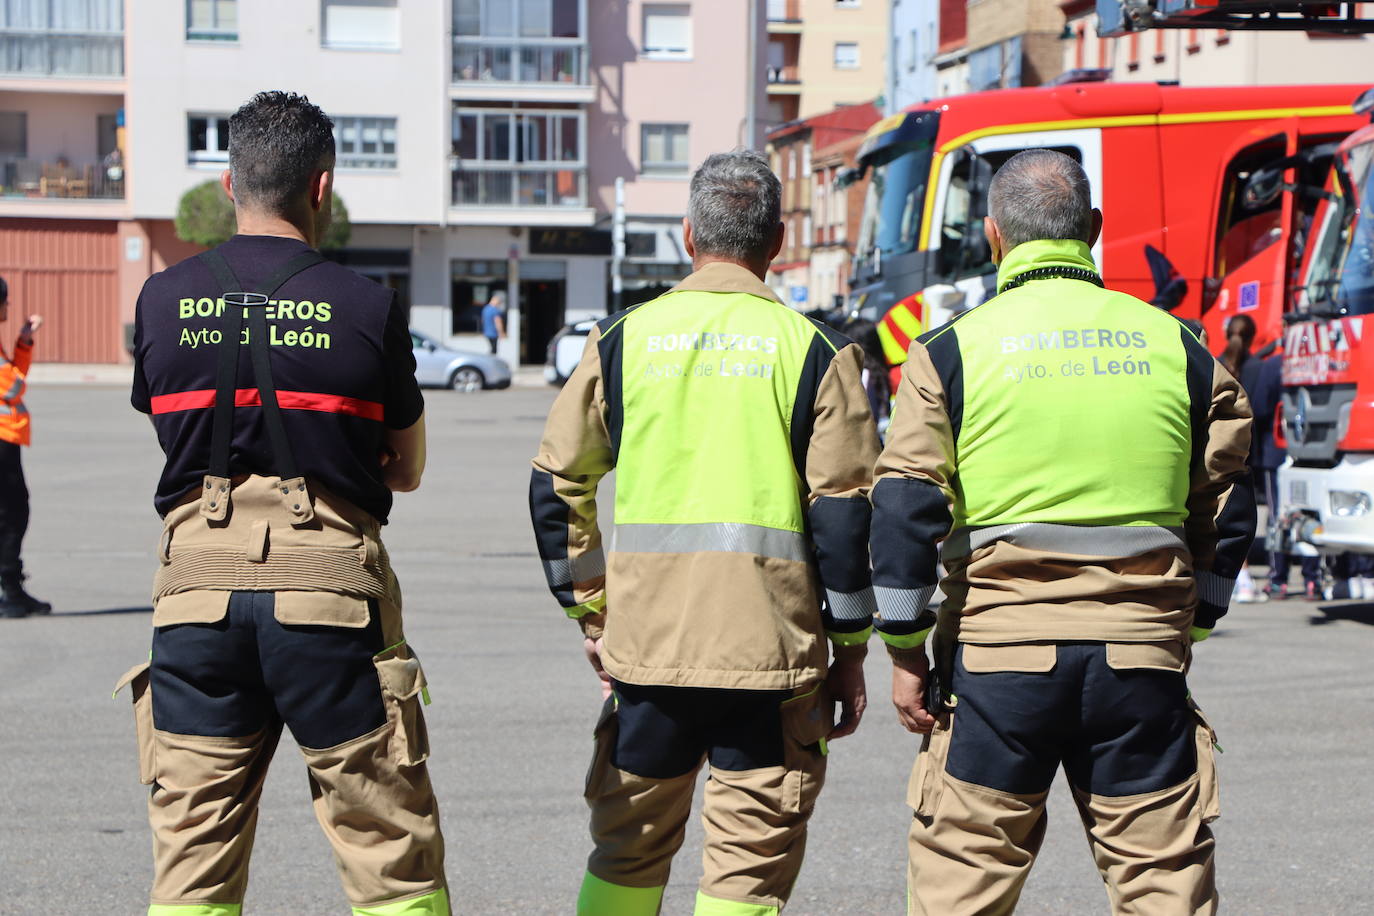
[(214, 498)]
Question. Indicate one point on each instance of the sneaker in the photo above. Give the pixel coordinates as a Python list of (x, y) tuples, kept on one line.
[(1277, 591), (1245, 595), (1312, 592)]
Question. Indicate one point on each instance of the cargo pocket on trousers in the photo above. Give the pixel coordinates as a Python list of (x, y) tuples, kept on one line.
[(603, 747), (928, 773), (807, 721), (1209, 792), (403, 687), (137, 680)]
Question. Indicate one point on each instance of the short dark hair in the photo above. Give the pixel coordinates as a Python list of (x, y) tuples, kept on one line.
[(276, 140), (734, 206), (1040, 194)]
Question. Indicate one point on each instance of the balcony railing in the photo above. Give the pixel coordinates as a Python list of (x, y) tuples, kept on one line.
[(44, 53), (480, 185), (37, 178), (786, 75), (504, 60)]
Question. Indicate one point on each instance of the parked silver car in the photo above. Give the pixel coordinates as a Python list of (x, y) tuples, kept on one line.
[(438, 366)]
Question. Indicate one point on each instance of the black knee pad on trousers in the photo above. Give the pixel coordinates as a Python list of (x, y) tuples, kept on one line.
[(663, 732), (247, 671), (1117, 732)]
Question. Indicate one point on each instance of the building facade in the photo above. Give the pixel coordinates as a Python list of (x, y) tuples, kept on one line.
[(822, 54), (913, 46), (1215, 57), (1013, 43), (479, 144)]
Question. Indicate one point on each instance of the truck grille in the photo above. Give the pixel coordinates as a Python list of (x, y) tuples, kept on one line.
[(1311, 415)]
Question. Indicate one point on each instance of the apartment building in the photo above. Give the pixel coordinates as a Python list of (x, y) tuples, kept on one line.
[(951, 51), (811, 212), (836, 209), (1013, 43), (913, 45), (1215, 57), (823, 54)]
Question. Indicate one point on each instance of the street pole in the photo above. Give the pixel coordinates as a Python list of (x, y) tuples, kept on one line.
[(750, 109), (618, 247)]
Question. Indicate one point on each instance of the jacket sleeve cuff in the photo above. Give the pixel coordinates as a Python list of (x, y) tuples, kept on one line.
[(1198, 634), (595, 605), (901, 641)]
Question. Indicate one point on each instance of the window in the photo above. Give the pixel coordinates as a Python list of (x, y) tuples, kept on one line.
[(847, 4), (663, 148), (667, 30), (846, 55), (913, 51), (212, 20), (14, 133), (517, 18), (209, 139), (360, 25), (365, 143), (62, 38)]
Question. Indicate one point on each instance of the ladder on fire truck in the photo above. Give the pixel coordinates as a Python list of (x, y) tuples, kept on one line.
[(1119, 17)]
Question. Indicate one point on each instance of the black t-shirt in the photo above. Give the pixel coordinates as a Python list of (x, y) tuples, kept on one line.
[(341, 362)]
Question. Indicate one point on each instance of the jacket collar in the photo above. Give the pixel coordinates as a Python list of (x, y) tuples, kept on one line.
[(1045, 253), (722, 277)]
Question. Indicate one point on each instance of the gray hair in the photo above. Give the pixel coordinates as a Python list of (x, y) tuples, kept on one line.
[(498, 298), (1040, 194), (735, 206)]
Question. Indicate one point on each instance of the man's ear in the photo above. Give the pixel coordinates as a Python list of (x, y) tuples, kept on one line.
[(1096, 231), (994, 236), (321, 186), (226, 181), (688, 242), (777, 241)]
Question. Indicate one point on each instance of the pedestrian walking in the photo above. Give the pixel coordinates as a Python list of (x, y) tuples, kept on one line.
[(494, 319), (282, 390), (15, 601), (742, 439), (1082, 458)]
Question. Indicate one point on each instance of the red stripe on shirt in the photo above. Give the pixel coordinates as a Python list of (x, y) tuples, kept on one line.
[(288, 400)]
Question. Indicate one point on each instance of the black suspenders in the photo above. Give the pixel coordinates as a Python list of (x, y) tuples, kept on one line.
[(239, 306)]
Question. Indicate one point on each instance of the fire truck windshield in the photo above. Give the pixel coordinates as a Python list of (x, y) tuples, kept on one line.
[(895, 200), (1341, 278)]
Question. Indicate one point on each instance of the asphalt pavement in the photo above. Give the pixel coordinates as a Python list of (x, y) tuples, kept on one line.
[(1288, 685)]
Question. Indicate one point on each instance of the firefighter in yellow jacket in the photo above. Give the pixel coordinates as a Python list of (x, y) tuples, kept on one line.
[(282, 390), (14, 493), (741, 437), (1081, 457)]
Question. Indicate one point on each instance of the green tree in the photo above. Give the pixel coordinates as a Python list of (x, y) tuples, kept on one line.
[(205, 216)]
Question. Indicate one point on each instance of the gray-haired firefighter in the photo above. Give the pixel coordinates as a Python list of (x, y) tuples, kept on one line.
[(1082, 457), (740, 435), (282, 390)]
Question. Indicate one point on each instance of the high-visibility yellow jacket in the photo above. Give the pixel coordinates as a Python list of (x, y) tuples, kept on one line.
[(743, 445), (1080, 455), (14, 416)]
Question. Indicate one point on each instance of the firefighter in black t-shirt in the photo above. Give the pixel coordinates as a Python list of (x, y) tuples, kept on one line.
[(283, 393)]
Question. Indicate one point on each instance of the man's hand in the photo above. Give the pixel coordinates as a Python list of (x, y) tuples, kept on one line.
[(593, 649), (846, 683), (909, 676), (27, 331)]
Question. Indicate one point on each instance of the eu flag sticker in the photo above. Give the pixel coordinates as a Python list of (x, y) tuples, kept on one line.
[(1249, 296)]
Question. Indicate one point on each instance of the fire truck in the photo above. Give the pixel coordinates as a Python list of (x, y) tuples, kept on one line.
[(1167, 166), (1326, 489)]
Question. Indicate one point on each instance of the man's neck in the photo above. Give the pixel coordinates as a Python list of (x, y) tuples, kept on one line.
[(251, 222), (758, 270)]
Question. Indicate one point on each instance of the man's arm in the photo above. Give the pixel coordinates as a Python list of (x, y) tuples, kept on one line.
[(839, 469), (1221, 501), (403, 461), (911, 498), (573, 457)]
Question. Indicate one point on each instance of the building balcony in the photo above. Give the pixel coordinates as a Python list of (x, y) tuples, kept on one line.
[(784, 17), (502, 194), (502, 69), (54, 54), (784, 81), (34, 178)]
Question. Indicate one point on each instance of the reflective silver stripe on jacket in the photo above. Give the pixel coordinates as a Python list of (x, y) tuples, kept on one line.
[(1077, 540), (1214, 589), (576, 569), (15, 390), (858, 605), (10, 410), (902, 603), (718, 537)]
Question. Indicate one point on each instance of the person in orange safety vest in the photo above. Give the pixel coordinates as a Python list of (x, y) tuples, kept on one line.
[(14, 494)]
